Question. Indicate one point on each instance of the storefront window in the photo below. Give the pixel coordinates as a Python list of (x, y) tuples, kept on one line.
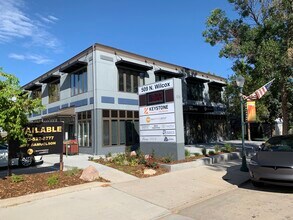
[(120, 127), (84, 129)]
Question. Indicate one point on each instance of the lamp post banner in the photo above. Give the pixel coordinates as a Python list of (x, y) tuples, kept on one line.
[(42, 138)]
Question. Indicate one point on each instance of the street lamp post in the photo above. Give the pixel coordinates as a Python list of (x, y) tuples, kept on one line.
[(240, 82)]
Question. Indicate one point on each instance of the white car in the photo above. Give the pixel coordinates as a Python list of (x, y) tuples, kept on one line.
[(24, 161)]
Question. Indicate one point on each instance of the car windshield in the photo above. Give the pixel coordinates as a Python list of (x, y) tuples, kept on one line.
[(280, 143)]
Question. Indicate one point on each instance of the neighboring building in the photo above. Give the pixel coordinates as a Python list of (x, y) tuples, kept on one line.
[(95, 94)]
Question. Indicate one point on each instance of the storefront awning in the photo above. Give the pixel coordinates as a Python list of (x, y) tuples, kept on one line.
[(33, 86), (197, 79), (50, 79), (67, 112), (76, 65), (168, 73), (131, 65)]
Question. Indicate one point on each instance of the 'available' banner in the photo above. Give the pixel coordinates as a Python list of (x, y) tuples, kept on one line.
[(251, 111)]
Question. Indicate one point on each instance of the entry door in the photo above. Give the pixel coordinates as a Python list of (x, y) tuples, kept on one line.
[(132, 132)]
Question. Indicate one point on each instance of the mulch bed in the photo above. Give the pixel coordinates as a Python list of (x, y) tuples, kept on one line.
[(133, 170), (33, 183)]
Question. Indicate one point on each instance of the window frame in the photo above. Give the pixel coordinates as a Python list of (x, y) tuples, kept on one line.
[(135, 80), (79, 81), (57, 97)]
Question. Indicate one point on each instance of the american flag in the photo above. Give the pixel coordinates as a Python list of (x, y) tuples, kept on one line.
[(260, 92)]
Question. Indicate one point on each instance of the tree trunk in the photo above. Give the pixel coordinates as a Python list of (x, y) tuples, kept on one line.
[(285, 115)]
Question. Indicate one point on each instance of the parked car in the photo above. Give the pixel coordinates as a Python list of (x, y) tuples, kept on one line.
[(23, 161), (273, 163)]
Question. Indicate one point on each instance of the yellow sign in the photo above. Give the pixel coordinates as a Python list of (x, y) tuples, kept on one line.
[(251, 111)]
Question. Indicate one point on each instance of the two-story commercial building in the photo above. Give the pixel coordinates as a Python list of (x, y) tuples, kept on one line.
[(95, 94)]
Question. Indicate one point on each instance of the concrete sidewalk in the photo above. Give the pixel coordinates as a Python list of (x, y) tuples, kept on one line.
[(148, 198)]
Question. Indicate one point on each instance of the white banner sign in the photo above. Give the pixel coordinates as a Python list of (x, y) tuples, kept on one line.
[(157, 132), (156, 109), (167, 139), (153, 119), (166, 84), (157, 126)]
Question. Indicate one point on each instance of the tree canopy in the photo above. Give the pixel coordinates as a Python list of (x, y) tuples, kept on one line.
[(15, 106), (260, 43)]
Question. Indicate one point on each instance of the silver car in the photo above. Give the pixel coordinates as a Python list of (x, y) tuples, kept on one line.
[(23, 161), (273, 163)]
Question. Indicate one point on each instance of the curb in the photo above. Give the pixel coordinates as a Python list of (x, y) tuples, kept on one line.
[(202, 162), (4, 203)]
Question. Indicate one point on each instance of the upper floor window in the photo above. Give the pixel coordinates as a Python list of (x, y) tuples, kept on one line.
[(54, 91), (129, 80), (215, 93), (160, 77), (79, 82), (36, 94), (195, 90)]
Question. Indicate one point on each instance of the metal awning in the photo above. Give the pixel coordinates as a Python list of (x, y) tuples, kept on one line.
[(168, 73), (76, 65), (67, 112), (215, 83), (197, 79), (131, 65), (49, 79), (33, 86)]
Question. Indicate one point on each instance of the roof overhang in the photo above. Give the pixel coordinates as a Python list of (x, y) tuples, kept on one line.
[(168, 73), (76, 65), (50, 79), (67, 112), (132, 65)]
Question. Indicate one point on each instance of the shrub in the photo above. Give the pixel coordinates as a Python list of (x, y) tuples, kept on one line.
[(187, 153), (217, 148), (211, 152), (151, 163), (53, 180), (16, 178), (204, 151), (167, 159), (227, 148), (72, 172), (109, 154), (196, 154)]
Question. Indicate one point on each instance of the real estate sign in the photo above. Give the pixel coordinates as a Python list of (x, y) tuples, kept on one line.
[(161, 118), (42, 138)]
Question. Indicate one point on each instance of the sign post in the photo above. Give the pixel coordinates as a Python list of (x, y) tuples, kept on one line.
[(161, 119)]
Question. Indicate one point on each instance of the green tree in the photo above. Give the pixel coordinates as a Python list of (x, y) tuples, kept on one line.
[(15, 106), (260, 42)]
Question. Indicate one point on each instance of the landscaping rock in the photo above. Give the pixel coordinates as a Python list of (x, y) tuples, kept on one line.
[(132, 153), (149, 172), (90, 174)]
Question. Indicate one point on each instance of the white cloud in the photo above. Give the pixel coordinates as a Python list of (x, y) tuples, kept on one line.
[(35, 58), (15, 23)]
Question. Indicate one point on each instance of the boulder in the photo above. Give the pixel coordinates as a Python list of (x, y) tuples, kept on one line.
[(90, 174), (132, 153), (149, 172)]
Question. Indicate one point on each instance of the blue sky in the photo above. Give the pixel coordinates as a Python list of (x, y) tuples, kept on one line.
[(37, 35)]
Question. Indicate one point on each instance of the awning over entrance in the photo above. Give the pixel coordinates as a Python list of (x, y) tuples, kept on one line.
[(168, 73), (131, 65), (49, 79), (67, 112), (76, 65)]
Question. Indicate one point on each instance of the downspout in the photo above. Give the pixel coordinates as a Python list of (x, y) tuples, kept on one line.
[(95, 103)]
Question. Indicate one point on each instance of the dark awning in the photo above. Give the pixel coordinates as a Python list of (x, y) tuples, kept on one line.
[(197, 79), (33, 86), (73, 66), (131, 65), (49, 79), (166, 72), (214, 83)]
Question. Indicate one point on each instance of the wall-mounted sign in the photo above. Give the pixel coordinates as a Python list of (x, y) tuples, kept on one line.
[(42, 138)]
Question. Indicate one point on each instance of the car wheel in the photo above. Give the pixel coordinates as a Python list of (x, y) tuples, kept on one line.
[(257, 184), (26, 161)]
